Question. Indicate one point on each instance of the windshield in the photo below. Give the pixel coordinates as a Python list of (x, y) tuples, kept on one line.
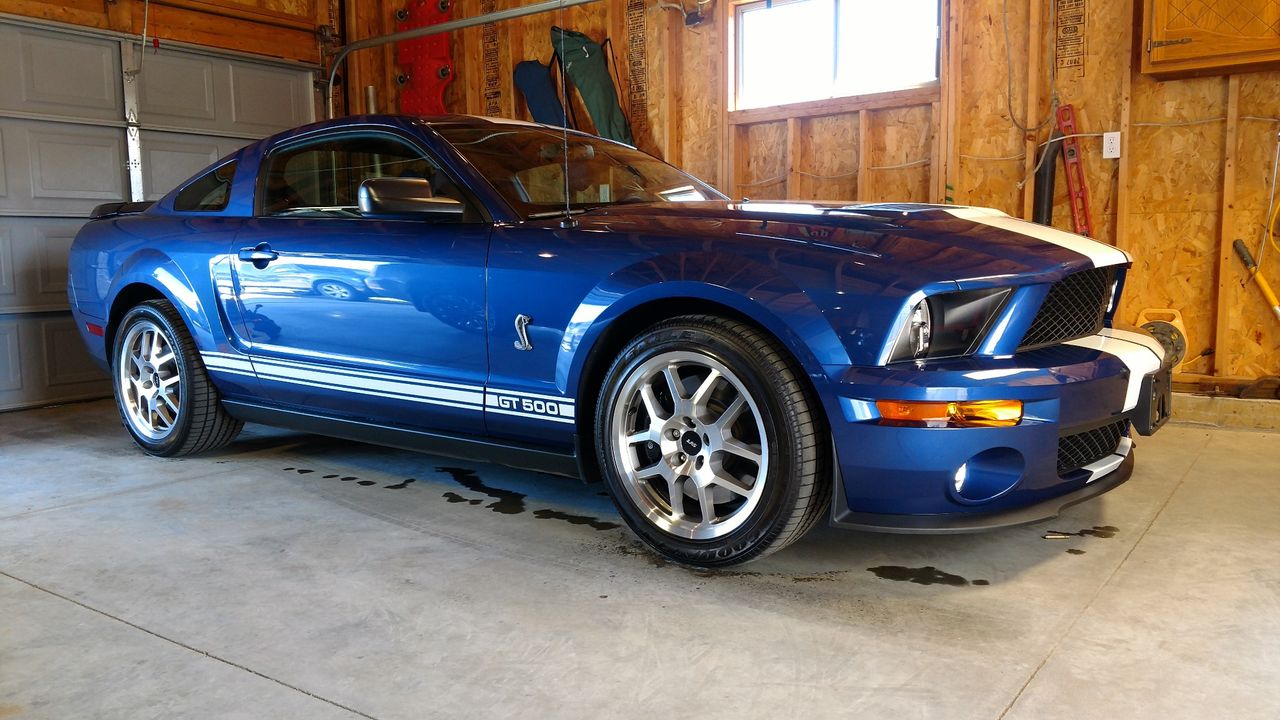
[(526, 165)]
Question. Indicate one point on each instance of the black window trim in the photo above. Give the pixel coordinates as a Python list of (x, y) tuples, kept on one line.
[(353, 132)]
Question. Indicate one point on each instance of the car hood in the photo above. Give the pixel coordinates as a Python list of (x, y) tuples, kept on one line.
[(929, 243)]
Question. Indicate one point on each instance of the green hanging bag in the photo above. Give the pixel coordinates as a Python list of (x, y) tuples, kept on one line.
[(585, 64)]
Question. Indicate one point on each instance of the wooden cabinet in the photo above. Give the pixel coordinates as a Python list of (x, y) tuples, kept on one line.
[(1209, 37)]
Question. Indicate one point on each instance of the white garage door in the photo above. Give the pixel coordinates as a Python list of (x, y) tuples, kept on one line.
[(87, 119)]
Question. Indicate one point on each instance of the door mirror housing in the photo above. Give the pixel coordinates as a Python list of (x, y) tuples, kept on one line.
[(405, 198)]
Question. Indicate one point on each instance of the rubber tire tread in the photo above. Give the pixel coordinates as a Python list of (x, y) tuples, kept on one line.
[(802, 418), (207, 425)]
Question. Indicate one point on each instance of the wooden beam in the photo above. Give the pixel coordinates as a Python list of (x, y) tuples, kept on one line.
[(935, 153), (724, 69), (1035, 33), (1222, 350), (1126, 146), (923, 95), (864, 162), (954, 79)]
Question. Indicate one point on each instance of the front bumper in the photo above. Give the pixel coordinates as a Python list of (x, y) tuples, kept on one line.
[(938, 480)]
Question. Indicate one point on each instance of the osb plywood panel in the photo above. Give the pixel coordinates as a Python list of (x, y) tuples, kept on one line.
[(829, 159), (1174, 268), (1253, 330), (1177, 168), (984, 131), (763, 173), (701, 102), (899, 142)]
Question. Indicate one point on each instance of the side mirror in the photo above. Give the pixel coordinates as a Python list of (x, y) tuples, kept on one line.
[(405, 197)]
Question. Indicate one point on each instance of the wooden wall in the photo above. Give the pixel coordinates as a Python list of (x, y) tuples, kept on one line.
[(277, 28), (1165, 200)]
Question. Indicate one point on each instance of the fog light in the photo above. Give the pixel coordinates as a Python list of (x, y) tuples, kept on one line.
[(988, 475), (971, 413)]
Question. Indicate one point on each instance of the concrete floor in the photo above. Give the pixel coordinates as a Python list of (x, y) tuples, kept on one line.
[(291, 576)]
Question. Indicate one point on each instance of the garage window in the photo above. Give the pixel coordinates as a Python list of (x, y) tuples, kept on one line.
[(796, 50)]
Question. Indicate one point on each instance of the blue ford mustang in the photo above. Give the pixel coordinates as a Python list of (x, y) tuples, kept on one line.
[(733, 371)]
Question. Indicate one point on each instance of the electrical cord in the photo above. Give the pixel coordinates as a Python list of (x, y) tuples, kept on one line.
[(1054, 100)]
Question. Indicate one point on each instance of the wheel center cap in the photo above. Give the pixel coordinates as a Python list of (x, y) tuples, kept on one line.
[(690, 443)]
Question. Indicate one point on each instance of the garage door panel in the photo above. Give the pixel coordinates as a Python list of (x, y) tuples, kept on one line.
[(11, 368), (177, 89), (43, 360), (4, 172), (7, 287), (66, 361), (168, 159), (268, 99), (57, 74), (36, 248), (61, 168)]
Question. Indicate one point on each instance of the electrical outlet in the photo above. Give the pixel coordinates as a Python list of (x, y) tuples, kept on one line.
[(1111, 145)]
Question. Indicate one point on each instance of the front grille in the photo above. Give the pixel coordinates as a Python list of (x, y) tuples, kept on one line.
[(1090, 446), (1074, 308)]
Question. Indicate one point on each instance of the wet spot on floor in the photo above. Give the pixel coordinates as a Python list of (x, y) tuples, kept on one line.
[(1098, 531), (507, 502), (454, 497), (575, 519), (330, 477), (366, 483), (928, 575), (400, 485), (828, 576), (288, 469), (1075, 551), (303, 471), (349, 478)]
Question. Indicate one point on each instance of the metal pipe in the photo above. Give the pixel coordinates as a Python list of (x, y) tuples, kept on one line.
[(426, 30)]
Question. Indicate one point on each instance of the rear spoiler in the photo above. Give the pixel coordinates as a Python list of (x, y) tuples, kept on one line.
[(113, 209)]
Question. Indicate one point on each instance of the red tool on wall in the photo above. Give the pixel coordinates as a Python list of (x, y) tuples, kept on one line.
[(426, 63), (1077, 191)]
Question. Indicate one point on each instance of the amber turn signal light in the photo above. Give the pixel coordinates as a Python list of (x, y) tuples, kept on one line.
[(972, 413)]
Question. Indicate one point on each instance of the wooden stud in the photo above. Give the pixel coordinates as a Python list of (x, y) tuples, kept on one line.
[(953, 81), (1222, 350), (1035, 50), (935, 153), (671, 55), (838, 106), (724, 67), (1126, 146), (794, 158), (864, 161)]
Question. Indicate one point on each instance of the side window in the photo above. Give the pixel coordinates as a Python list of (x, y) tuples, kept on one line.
[(322, 179), (209, 193)]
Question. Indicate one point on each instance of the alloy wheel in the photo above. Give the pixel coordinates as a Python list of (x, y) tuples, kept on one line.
[(149, 380), (691, 445)]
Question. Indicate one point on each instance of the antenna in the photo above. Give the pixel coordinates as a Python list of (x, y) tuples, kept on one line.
[(568, 221)]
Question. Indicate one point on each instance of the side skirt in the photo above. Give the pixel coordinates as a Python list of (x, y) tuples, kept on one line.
[(457, 446)]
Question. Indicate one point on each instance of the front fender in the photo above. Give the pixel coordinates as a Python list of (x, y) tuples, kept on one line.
[(752, 289)]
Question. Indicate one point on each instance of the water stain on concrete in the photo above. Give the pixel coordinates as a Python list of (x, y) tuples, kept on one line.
[(400, 485), (506, 502), (454, 497), (927, 575), (1098, 531), (575, 519), (1075, 551), (349, 478), (366, 483)]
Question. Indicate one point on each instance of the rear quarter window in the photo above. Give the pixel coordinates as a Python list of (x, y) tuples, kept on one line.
[(209, 193)]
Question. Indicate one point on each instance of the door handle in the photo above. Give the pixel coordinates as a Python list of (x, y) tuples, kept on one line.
[(259, 255)]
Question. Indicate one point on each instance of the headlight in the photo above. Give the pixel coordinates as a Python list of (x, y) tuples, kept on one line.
[(948, 325)]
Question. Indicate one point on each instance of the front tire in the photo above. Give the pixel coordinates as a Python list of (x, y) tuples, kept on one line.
[(710, 443), (161, 386)]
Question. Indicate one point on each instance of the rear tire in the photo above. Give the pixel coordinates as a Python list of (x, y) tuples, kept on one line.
[(161, 386), (710, 442)]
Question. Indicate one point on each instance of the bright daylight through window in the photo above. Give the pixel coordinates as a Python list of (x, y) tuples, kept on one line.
[(796, 50)]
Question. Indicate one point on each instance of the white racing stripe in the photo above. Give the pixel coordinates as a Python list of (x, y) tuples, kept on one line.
[(1109, 463), (1101, 254), (1141, 354), (535, 406)]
